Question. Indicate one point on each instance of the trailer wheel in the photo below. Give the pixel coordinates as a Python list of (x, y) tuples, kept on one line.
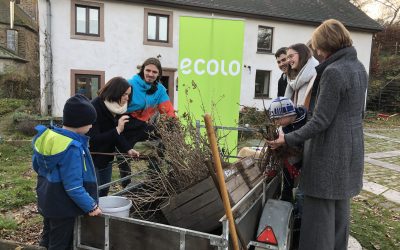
[(276, 224)]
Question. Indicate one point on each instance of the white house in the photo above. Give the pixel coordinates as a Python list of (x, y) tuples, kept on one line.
[(85, 43)]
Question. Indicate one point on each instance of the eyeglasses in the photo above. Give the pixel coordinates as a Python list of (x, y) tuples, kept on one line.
[(291, 55)]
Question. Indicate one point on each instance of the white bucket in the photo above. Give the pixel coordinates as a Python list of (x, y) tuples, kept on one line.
[(115, 205)]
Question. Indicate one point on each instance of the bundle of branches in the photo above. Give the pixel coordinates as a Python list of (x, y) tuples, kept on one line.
[(179, 161), (151, 189), (184, 152), (271, 160)]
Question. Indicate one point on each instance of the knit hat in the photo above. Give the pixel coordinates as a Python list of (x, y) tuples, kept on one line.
[(78, 112), (281, 107)]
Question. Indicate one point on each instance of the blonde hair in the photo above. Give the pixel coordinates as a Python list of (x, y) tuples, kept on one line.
[(331, 36)]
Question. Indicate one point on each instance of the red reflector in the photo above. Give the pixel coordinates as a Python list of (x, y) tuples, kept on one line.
[(267, 236)]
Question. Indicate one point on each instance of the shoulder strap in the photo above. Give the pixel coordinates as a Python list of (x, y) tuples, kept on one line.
[(308, 93)]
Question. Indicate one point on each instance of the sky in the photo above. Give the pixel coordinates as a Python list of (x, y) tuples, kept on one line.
[(373, 10)]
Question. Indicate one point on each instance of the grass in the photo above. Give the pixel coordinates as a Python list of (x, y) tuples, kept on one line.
[(7, 223), (391, 133), (371, 121), (383, 176), (375, 222), (374, 145), (17, 181)]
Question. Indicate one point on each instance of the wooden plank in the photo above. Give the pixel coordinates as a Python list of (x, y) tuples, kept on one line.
[(247, 162), (251, 174), (239, 192), (235, 182), (197, 207), (191, 193), (191, 207), (205, 219)]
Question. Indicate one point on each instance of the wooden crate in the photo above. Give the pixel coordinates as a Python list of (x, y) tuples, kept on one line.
[(200, 207)]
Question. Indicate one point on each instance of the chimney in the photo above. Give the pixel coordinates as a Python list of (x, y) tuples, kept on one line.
[(12, 34)]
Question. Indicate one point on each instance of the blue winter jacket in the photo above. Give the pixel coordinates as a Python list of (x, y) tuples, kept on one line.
[(66, 184)]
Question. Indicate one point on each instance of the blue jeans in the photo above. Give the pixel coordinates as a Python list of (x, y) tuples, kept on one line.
[(103, 177)]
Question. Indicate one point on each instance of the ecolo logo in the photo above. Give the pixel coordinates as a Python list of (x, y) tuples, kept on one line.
[(212, 67)]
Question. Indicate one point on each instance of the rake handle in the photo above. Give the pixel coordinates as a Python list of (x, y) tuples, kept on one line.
[(221, 179)]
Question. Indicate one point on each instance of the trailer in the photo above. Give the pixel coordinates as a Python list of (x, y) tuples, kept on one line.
[(261, 220), (110, 232)]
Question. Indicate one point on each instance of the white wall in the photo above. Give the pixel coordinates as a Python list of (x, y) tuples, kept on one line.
[(123, 50), (285, 34)]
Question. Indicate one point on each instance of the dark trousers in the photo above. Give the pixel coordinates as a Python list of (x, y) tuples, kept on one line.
[(325, 224), (287, 186), (103, 176), (57, 233)]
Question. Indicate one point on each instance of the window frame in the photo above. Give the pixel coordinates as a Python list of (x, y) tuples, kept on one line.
[(88, 6), (75, 72), (262, 96), (262, 50), (158, 13)]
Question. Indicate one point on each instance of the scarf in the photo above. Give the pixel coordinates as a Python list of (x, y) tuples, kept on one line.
[(303, 78), (115, 108)]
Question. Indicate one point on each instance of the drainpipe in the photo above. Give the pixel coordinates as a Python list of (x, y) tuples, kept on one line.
[(48, 57), (12, 4), (12, 34)]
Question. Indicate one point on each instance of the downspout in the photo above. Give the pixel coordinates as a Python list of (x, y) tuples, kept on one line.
[(49, 86), (12, 4)]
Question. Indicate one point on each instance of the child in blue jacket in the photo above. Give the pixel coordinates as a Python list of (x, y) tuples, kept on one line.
[(66, 185)]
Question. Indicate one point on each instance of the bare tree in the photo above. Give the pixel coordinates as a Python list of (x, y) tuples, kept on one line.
[(391, 9), (361, 4)]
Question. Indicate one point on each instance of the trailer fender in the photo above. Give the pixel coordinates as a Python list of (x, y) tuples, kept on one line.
[(278, 215)]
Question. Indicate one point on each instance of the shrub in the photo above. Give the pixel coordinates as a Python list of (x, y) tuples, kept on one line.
[(25, 123), (8, 105), (21, 84)]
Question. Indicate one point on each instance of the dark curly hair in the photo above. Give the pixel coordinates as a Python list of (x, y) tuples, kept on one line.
[(156, 63)]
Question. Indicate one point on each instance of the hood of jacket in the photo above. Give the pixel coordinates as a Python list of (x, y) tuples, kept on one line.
[(50, 144), (142, 84)]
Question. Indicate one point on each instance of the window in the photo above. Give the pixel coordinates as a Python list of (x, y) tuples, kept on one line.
[(87, 20), (86, 82), (264, 41), (262, 84), (157, 27)]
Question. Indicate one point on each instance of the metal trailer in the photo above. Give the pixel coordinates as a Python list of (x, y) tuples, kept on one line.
[(110, 232)]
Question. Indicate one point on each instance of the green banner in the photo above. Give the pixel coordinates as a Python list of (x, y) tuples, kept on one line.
[(210, 70)]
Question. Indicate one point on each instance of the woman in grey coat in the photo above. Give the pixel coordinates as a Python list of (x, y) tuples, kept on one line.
[(333, 160)]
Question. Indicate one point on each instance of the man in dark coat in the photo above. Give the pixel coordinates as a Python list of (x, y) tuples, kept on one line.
[(280, 56)]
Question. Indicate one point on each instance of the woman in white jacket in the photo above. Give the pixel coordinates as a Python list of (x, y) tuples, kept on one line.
[(301, 73)]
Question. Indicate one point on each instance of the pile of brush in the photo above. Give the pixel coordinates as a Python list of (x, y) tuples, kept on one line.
[(182, 159)]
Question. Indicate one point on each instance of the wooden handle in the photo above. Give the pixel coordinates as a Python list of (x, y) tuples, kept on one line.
[(221, 179)]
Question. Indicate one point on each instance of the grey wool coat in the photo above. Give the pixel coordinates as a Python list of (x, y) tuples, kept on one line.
[(333, 162)]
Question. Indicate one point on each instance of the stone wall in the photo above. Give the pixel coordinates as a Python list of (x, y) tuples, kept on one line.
[(30, 8), (28, 43), (3, 34)]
